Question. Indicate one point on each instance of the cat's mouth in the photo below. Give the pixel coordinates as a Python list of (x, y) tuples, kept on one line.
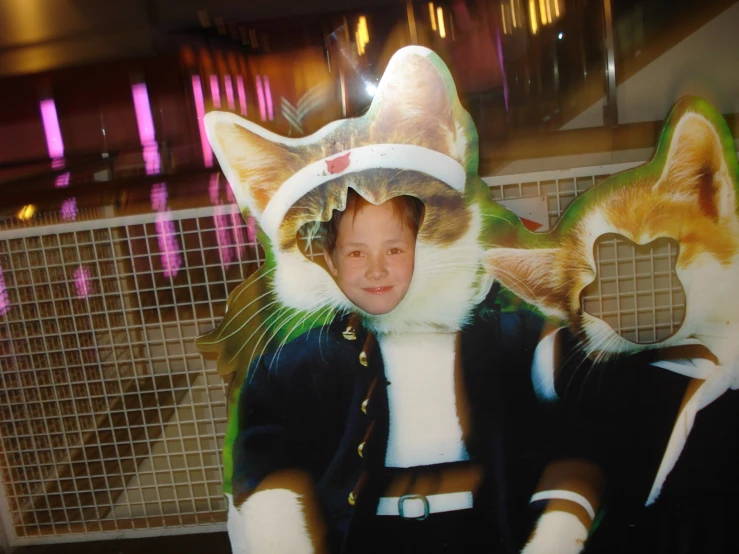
[(636, 290)]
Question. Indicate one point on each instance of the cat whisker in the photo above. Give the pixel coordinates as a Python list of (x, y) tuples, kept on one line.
[(268, 320), (245, 323), (250, 283), (284, 341), (279, 321), (532, 296)]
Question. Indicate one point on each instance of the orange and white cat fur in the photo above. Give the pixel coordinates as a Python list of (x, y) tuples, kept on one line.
[(693, 201)]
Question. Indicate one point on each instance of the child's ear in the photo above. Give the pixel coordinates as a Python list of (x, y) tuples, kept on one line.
[(330, 262)]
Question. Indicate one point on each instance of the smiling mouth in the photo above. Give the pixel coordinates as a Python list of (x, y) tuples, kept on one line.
[(378, 290)]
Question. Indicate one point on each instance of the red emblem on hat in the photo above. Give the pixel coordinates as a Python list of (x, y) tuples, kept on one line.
[(339, 164)]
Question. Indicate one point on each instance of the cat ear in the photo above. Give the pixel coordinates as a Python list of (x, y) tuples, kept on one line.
[(416, 103), (255, 161), (696, 167), (533, 275)]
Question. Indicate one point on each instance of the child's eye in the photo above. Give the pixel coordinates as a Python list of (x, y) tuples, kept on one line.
[(355, 254), (395, 251)]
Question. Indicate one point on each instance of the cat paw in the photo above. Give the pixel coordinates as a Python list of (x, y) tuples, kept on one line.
[(557, 532)]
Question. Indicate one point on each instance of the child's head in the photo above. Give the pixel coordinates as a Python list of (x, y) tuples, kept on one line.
[(370, 250)]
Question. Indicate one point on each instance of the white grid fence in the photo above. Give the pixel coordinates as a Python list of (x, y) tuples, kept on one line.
[(111, 423)]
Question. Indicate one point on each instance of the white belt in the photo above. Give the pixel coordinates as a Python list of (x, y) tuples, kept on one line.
[(418, 506)]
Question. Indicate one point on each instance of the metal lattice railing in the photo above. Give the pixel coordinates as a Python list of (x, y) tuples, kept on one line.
[(110, 419), (112, 422)]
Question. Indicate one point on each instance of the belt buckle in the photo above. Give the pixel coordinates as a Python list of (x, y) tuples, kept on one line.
[(420, 497)]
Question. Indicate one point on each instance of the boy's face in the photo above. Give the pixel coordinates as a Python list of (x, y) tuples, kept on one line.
[(373, 258)]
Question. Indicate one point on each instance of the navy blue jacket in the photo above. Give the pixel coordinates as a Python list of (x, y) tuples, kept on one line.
[(302, 408)]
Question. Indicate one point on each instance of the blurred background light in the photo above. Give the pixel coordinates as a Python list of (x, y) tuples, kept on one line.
[(54, 143), (215, 91), (260, 98), (82, 282), (27, 212), (69, 209), (197, 91), (242, 94), (440, 17), (62, 180), (4, 298), (228, 84)]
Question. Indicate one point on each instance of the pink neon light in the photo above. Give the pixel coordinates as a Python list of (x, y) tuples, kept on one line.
[(159, 197), (152, 160), (168, 246), (260, 99), (242, 94), (62, 180), (215, 91), (268, 95), (229, 92), (57, 163), (4, 298), (69, 209), (82, 282), (147, 133), (143, 113), (197, 90), (54, 143)]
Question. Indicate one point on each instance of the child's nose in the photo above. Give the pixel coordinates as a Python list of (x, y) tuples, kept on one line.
[(377, 268)]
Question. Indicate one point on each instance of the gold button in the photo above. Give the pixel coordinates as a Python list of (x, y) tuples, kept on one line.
[(352, 498), (349, 333), (364, 405), (360, 449), (363, 358)]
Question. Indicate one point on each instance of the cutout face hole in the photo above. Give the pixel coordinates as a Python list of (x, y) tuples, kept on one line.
[(636, 290)]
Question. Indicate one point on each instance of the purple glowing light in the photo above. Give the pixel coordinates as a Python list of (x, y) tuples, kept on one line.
[(82, 282), (260, 98), (54, 143), (147, 135), (268, 96), (69, 209), (215, 91), (197, 90), (62, 180), (159, 197), (168, 246), (57, 163), (4, 298), (229, 92), (242, 94), (152, 160)]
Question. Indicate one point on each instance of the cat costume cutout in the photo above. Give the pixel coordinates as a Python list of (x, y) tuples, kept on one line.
[(417, 140)]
